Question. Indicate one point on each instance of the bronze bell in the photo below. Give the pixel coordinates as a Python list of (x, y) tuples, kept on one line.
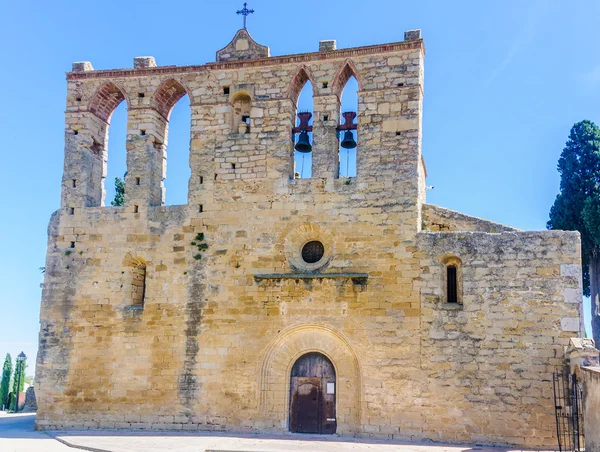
[(348, 141), (303, 144)]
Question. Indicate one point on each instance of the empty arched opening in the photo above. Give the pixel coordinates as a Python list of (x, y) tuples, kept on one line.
[(107, 104), (348, 138), (173, 103), (312, 395), (303, 160)]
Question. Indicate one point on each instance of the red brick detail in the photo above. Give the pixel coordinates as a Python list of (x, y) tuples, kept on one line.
[(106, 99), (259, 62), (167, 95), (302, 76), (341, 78)]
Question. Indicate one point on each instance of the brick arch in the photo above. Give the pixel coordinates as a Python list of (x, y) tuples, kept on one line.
[(279, 358), (303, 75), (105, 100), (342, 76), (167, 95)]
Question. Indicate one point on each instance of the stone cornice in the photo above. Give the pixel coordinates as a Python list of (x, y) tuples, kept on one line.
[(261, 62)]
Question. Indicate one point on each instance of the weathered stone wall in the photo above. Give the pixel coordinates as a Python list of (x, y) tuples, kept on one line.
[(437, 218), (489, 360), (591, 407), (213, 344)]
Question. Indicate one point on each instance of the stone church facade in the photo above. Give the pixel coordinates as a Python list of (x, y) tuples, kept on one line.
[(275, 304)]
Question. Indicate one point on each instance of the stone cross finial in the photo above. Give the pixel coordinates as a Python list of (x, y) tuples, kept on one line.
[(245, 12)]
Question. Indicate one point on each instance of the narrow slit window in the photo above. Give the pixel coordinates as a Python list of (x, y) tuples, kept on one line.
[(136, 209), (74, 183), (452, 284), (137, 181)]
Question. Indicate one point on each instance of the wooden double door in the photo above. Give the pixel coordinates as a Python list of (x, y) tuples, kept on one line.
[(312, 395)]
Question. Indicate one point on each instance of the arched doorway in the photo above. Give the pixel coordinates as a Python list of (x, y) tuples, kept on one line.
[(312, 395)]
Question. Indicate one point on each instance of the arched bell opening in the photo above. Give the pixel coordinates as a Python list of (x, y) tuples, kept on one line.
[(313, 395), (303, 135), (348, 129)]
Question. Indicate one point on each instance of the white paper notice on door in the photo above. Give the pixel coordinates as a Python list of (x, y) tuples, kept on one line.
[(330, 388)]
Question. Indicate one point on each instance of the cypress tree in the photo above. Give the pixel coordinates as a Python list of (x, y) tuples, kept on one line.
[(577, 206), (5, 383), (20, 379)]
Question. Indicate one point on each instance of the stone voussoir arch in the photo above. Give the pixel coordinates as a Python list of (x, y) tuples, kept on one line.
[(302, 75), (167, 94), (106, 99), (279, 358), (346, 70)]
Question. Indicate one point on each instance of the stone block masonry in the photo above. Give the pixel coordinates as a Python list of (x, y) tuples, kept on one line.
[(192, 317)]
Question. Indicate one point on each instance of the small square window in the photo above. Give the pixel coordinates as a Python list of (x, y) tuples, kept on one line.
[(78, 99), (226, 90), (75, 132), (325, 117), (142, 132), (141, 95), (325, 84), (72, 245), (137, 180), (71, 210), (246, 119)]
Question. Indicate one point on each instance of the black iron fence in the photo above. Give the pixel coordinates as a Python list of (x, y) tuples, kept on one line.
[(569, 412)]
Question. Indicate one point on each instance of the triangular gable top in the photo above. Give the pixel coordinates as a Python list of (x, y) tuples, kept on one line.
[(242, 47)]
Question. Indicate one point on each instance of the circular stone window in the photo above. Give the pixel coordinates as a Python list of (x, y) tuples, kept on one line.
[(313, 252)]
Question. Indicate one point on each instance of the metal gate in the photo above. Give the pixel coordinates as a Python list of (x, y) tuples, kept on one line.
[(569, 412)]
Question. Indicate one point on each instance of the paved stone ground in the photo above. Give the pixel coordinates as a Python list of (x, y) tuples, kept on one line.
[(17, 434)]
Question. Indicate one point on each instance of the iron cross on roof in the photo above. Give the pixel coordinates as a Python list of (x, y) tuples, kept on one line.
[(245, 12)]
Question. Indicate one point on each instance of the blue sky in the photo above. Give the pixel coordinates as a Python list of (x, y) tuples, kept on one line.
[(504, 82)]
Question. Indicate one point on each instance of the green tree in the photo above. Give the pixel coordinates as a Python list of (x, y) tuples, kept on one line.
[(577, 206), (19, 379), (119, 191), (5, 383)]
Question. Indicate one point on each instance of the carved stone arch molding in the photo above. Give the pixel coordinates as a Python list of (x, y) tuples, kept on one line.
[(279, 358)]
